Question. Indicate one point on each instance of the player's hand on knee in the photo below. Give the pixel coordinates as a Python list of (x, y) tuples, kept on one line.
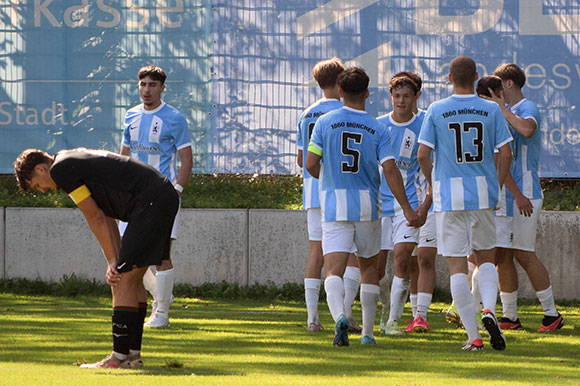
[(113, 277)]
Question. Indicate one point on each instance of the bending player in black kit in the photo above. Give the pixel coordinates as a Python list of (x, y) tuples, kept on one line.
[(107, 186)]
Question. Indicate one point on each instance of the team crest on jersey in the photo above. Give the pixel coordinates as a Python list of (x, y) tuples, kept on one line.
[(407, 144), (155, 129)]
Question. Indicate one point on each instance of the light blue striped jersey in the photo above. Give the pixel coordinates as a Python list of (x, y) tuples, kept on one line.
[(305, 126), (506, 198), (155, 136), (526, 157), (351, 142), (404, 141), (463, 131)]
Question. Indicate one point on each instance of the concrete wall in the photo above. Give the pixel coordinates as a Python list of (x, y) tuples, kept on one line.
[(235, 245)]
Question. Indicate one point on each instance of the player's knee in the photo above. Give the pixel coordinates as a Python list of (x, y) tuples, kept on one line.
[(426, 264)]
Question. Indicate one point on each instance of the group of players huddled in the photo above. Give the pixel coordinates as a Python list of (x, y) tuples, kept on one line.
[(459, 179)]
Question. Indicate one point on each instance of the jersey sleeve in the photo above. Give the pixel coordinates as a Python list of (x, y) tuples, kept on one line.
[(385, 148), (427, 135), (182, 134), (502, 131), (126, 131), (530, 111), (67, 175), (316, 140), (299, 142)]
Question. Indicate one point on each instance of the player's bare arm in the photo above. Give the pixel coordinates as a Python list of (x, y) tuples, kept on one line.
[(395, 181), (423, 209), (125, 151), (313, 164), (107, 234), (299, 158), (424, 159), (186, 157), (503, 164), (525, 127), (522, 202)]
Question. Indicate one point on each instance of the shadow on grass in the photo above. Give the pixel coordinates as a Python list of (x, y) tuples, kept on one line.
[(253, 337)]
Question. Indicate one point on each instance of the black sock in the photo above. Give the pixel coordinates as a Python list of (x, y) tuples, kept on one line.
[(137, 330), (124, 319)]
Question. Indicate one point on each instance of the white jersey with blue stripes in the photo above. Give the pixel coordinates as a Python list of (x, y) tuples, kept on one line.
[(404, 141), (155, 136), (305, 127), (350, 142), (463, 131), (526, 154)]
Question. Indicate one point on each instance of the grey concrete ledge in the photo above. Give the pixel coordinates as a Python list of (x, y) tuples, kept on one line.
[(236, 245)]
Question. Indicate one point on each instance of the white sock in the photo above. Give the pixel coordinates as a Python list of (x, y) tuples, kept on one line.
[(385, 291), (403, 298), (423, 303), (464, 304), (488, 285), (369, 295), (165, 282), (150, 283), (413, 300), (399, 293), (546, 297), (509, 303), (311, 293), (334, 295), (135, 352), (475, 290), (351, 280)]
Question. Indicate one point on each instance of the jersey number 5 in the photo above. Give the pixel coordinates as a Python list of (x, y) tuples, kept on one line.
[(347, 151), (459, 129)]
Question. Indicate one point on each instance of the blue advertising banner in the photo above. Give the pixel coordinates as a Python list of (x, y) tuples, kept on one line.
[(240, 70)]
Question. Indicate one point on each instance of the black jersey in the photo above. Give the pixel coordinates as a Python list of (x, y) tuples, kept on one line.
[(119, 185)]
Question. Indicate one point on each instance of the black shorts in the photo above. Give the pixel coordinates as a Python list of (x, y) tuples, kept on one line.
[(147, 239)]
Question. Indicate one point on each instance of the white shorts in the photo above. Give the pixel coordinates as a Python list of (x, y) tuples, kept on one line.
[(360, 237), (314, 224), (394, 231), (428, 232), (504, 235), (524, 228), (174, 230), (460, 232)]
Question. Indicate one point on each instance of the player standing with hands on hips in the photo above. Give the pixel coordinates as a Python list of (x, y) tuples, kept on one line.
[(156, 133)]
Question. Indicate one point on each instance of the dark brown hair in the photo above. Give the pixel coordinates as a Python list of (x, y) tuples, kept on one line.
[(511, 72), (353, 81), (326, 72), (402, 81), (413, 76), (154, 72), (489, 81), (24, 166)]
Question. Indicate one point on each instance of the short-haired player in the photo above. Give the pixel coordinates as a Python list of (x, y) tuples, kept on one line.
[(325, 73), (157, 134), (108, 187), (350, 142), (404, 127), (463, 130), (517, 225)]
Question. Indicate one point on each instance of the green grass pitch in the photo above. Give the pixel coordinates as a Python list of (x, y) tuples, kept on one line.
[(260, 342)]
